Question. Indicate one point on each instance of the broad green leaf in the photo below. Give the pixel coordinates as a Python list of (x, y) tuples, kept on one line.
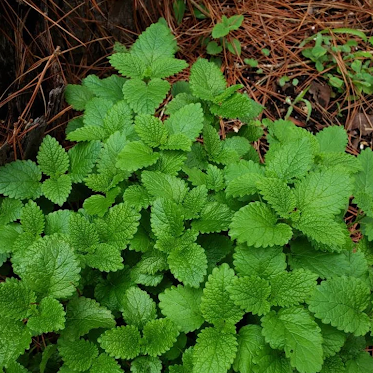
[(159, 336), (84, 314), (95, 112), (182, 305), (128, 64), (251, 294), (104, 257), (250, 342), (147, 364), (105, 363), (278, 194), (217, 305), (16, 299), (77, 96), (10, 210), (290, 161), (52, 157), (151, 130), (341, 301), (164, 186), (49, 267), (118, 118), (144, 98), (136, 155), (109, 88), (169, 162), (50, 317), (206, 80), (333, 339), (294, 330), (263, 262), (214, 217), (137, 307), (214, 351), (188, 120), (292, 288), (20, 180), (122, 342), (78, 355), (332, 139), (256, 224), (32, 219), (83, 234), (57, 190), (167, 218), (83, 157), (57, 222), (188, 264)]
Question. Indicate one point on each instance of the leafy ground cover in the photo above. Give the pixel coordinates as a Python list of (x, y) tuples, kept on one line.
[(160, 242)]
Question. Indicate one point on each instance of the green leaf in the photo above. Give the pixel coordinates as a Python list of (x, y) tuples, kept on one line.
[(119, 225), (83, 157), (167, 218), (57, 190), (104, 257), (235, 21), (213, 48), (237, 106), (250, 342), (292, 288), (324, 193), (16, 299), (122, 342), (164, 186), (105, 363), (15, 367), (154, 43), (95, 112), (268, 360), (97, 205), (188, 264), (77, 96), (109, 88), (109, 291), (251, 294), (15, 338), (278, 194), (32, 219), (128, 64), (322, 229), (83, 234), (10, 210), (332, 139), (49, 318), (78, 355), (143, 97), (49, 267), (146, 364), (219, 31), (57, 222), (194, 202), (118, 118), (52, 157), (206, 80), (234, 46), (136, 155), (137, 307), (188, 120), (361, 364), (87, 133), (178, 102), (214, 351), (21, 180), (165, 67), (137, 197), (214, 217), (151, 130), (217, 305), (181, 305), (159, 336), (333, 339), (256, 224), (290, 161), (341, 301), (84, 314), (169, 162), (263, 262), (294, 330)]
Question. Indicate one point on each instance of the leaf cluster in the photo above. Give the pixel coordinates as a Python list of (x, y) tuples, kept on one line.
[(156, 244)]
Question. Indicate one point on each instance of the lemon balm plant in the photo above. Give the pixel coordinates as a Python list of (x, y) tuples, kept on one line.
[(153, 245)]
